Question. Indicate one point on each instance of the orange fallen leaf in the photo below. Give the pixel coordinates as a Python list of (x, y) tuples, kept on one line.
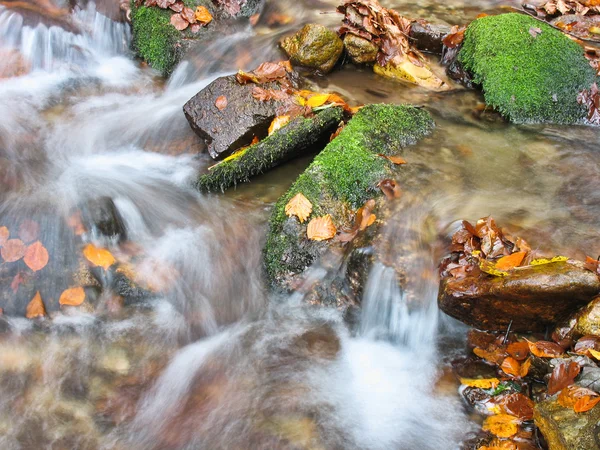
[(569, 395), (36, 256), (317, 100), (482, 383), (524, 370), (510, 261), (29, 230), (502, 425), (278, 122), (299, 206), (321, 228), (518, 350), (35, 308), (398, 160), (98, 256), (72, 296), (203, 15), (221, 102), (511, 366), (517, 405), (585, 403), (13, 250), (4, 233), (545, 349), (495, 356), (562, 376)]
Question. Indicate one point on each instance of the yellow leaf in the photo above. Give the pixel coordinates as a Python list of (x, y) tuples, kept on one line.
[(299, 206), (317, 100), (300, 100), (502, 425), (278, 122), (203, 15), (321, 228), (483, 383), (98, 256), (540, 261), (594, 353), (72, 297), (35, 308), (490, 268), (407, 71)]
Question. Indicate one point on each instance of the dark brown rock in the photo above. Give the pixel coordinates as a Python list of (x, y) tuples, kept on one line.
[(232, 127), (101, 216), (428, 37), (583, 322), (532, 298)]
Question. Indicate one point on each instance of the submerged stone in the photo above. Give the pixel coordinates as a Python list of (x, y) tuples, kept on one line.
[(360, 50), (529, 71), (341, 178), (315, 47), (530, 299)]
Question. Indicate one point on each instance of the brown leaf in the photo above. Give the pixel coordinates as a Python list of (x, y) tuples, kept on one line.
[(221, 102), (299, 206), (177, 6), (98, 256), (188, 14), (390, 188), (455, 37), (72, 296), (203, 15), (36, 256), (179, 22), (35, 308), (321, 228), (29, 230), (518, 350), (4, 233), (534, 31), (545, 349), (13, 250), (517, 405), (585, 343), (267, 71), (362, 220), (398, 160), (562, 376)]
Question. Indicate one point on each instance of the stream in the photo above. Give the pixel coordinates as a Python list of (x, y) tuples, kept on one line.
[(217, 361)]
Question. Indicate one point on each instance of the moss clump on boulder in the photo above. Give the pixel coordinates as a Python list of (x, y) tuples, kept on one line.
[(315, 47), (293, 139), (529, 71), (342, 177)]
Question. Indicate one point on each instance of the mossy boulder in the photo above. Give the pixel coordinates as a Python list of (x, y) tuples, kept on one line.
[(299, 136), (315, 47), (529, 71), (340, 179), (360, 50)]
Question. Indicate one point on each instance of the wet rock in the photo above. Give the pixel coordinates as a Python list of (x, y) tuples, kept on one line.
[(531, 298), (101, 217), (315, 47), (586, 321), (13, 64), (292, 140), (360, 50), (564, 429), (428, 37), (233, 126)]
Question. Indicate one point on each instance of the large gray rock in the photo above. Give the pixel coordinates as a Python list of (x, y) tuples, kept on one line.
[(531, 299), (227, 129)]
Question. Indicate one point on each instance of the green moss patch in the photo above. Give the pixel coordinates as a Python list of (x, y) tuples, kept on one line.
[(529, 71), (342, 177)]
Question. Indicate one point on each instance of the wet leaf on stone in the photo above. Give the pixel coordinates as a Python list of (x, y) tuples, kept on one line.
[(518, 350), (390, 188), (72, 296), (545, 349), (524, 370), (569, 395), (4, 234), (517, 405), (267, 71), (482, 383), (277, 123), (321, 228), (502, 425), (455, 37), (562, 376), (221, 102), (177, 6), (188, 14), (35, 308), (299, 206), (13, 250), (203, 15), (36, 256), (179, 22), (585, 343), (362, 220), (317, 100), (510, 261), (493, 354), (98, 256), (511, 366), (585, 403), (398, 160)]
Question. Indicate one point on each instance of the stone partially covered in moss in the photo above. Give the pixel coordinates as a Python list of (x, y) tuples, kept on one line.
[(340, 179), (293, 139), (315, 47), (529, 71)]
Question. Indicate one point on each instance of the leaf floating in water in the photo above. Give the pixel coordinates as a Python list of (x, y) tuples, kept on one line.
[(36, 256), (390, 188), (502, 425), (13, 250), (321, 228), (398, 160), (35, 308), (98, 256), (72, 296), (299, 206), (221, 102)]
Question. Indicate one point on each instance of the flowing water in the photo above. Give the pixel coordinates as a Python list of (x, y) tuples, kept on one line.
[(214, 360)]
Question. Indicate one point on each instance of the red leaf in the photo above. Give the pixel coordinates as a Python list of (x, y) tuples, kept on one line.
[(562, 376)]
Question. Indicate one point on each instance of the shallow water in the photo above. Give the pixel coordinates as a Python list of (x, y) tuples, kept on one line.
[(215, 361)]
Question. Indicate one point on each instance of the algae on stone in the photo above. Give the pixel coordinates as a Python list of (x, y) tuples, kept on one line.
[(291, 140), (342, 177), (529, 71), (314, 46)]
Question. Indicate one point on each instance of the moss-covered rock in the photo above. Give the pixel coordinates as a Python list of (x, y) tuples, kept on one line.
[(529, 71), (341, 178), (360, 50), (298, 136), (315, 47)]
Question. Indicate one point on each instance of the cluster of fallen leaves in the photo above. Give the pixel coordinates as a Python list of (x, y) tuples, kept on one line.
[(24, 246), (554, 8), (562, 367), (183, 16), (590, 98), (389, 31)]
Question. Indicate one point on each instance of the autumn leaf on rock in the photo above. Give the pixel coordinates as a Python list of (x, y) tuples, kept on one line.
[(221, 102), (36, 256), (203, 15), (35, 308), (502, 425), (13, 250), (545, 349), (188, 14), (177, 6), (571, 394), (398, 160), (511, 366), (72, 296), (510, 261), (277, 123), (517, 405), (98, 256), (524, 369), (455, 37), (317, 100), (390, 188), (179, 22), (495, 355), (585, 403), (562, 376), (4, 233), (321, 228), (299, 206), (482, 383), (518, 350)]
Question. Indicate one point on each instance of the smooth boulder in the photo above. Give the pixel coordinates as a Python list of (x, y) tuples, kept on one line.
[(315, 47)]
